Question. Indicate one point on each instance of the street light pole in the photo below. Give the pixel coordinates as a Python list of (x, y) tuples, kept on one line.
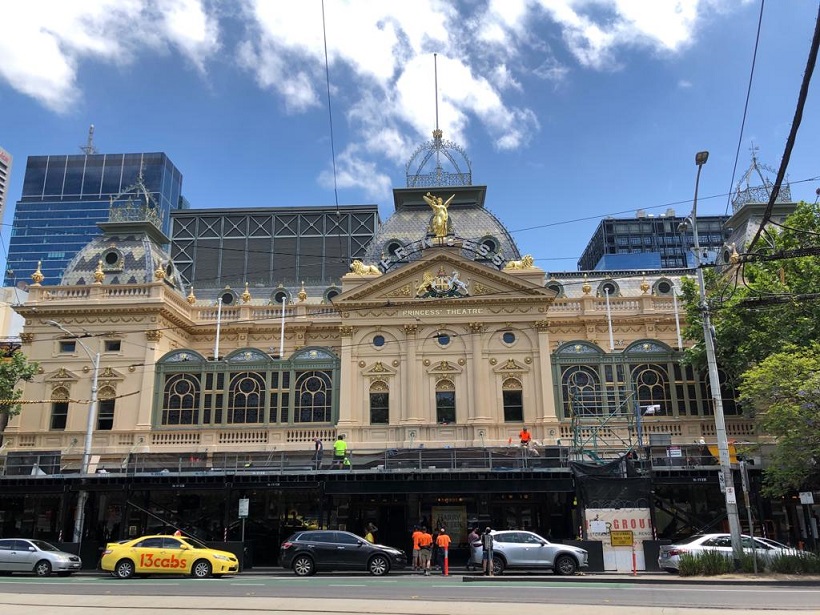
[(714, 382), (82, 496)]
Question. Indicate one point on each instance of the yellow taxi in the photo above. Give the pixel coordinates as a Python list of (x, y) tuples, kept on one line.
[(166, 555)]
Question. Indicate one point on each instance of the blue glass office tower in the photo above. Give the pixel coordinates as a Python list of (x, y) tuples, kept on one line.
[(64, 197)]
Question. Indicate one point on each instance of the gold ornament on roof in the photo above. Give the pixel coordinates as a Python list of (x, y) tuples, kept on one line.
[(159, 272), (358, 267), (246, 296), (99, 276), (644, 286), (302, 292), (441, 217), (191, 297), (38, 276), (526, 262), (587, 288)]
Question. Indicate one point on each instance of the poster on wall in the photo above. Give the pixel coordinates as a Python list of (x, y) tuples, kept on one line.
[(453, 519), (601, 523)]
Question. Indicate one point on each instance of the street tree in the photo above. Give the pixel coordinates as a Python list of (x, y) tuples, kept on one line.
[(13, 370)]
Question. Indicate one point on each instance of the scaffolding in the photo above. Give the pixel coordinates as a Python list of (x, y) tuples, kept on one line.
[(605, 426)]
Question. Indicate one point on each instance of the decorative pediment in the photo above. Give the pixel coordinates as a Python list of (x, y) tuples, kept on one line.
[(445, 368), (442, 275), (61, 376), (511, 367), (378, 371)]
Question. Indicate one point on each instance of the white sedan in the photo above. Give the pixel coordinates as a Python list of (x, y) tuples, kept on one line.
[(669, 557)]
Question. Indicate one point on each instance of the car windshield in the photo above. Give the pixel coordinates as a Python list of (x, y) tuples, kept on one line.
[(686, 541), (195, 543), (44, 546)]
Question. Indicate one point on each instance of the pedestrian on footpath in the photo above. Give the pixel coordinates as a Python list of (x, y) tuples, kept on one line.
[(371, 533), (472, 538), (487, 541), (425, 550), (415, 536), (443, 543)]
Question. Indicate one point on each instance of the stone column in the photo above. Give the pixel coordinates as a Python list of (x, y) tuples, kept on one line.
[(478, 405), (544, 382), (349, 375), (410, 394)]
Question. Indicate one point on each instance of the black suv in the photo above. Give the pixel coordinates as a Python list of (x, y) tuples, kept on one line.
[(311, 550)]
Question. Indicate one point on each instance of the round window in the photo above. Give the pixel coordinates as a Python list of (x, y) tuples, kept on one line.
[(227, 298), (608, 289), (169, 269), (280, 297), (490, 245), (443, 339), (378, 341), (554, 287), (508, 337), (664, 287), (331, 295), (111, 258)]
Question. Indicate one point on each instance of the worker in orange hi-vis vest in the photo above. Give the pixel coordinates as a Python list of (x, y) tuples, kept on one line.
[(443, 543), (525, 437)]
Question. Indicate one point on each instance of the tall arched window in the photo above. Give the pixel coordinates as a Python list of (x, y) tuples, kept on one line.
[(651, 384), (445, 401), (181, 400), (513, 401), (379, 403), (59, 408), (246, 400), (313, 397), (582, 391), (105, 409)]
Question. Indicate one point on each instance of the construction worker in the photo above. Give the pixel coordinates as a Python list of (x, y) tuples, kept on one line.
[(443, 543), (425, 550), (340, 452)]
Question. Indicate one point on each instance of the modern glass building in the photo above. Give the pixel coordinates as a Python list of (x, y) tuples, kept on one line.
[(5, 171), (650, 242), (64, 197)]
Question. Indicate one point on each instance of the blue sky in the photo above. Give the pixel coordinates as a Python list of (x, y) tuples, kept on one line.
[(569, 110)]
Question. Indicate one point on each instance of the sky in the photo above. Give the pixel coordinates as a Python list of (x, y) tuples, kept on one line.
[(569, 111)]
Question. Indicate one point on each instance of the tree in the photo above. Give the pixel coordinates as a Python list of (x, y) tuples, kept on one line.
[(784, 393), (13, 370), (765, 313)]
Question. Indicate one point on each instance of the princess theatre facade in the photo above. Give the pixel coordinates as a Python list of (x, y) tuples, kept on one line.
[(430, 356)]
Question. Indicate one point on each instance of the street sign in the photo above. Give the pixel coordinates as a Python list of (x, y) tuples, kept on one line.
[(806, 497), (730, 495), (244, 506), (722, 481), (621, 538)]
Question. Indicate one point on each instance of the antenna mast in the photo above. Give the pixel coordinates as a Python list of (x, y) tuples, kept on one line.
[(89, 148)]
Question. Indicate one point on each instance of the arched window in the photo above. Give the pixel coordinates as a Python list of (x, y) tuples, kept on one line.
[(59, 408), (181, 400), (105, 408), (513, 401), (581, 387), (246, 401), (651, 384), (313, 397), (445, 402), (379, 403)]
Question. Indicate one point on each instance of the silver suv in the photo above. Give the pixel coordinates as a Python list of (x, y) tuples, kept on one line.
[(520, 549)]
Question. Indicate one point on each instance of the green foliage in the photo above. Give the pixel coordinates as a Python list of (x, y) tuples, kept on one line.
[(14, 370), (783, 390), (765, 314), (802, 563), (705, 563)]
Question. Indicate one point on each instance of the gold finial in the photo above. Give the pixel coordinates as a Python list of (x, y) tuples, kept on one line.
[(38, 276), (99, 276), (437, 134), (159, 272), (644, 286), (191, 296), (587, 288), (302, 293), (246, 296)]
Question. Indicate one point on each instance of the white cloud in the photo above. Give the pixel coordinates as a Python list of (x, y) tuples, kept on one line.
[(43, 41)]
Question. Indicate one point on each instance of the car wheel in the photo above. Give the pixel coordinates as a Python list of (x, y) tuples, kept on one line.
[(201, 569), (378, 566), (42, 568), (565, 565), (124, 569), (303, 566), (498, 565)]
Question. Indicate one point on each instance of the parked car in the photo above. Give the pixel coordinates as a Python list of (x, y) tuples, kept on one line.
[(669, 555), (521, 549), (309, 551), (166, 555), (37, 556)]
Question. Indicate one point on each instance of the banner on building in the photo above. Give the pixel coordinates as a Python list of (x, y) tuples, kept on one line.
[(604, 524)]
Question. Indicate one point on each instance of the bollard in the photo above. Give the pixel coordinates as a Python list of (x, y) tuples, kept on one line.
[(634, 561), (446, 562)]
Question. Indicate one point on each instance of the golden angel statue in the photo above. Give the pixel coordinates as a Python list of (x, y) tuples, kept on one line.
[(440, 216)]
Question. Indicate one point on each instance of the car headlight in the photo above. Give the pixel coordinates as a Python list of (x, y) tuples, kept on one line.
[(222, 557)]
